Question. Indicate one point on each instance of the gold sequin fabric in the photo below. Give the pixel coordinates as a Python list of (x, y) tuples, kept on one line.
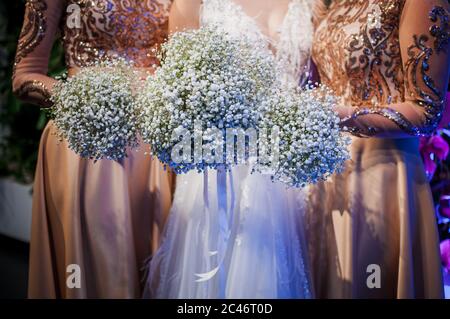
[(38, 88), (357, 51), (33, 30), (132, 29)]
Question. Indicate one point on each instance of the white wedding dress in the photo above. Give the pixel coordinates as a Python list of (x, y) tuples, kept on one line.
[(236, 234)]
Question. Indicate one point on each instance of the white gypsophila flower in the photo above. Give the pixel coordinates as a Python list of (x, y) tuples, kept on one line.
[(94, 110), (312, 145), (207, 77)]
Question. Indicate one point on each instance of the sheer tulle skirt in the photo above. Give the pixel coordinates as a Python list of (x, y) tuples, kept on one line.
[(231, 235)]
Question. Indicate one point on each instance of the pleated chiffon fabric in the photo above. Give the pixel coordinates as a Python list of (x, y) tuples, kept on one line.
[(104, 217), (379, 212)]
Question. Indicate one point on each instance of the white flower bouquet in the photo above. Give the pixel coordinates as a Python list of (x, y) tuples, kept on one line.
[(311, 145), (208, 82), (94, 111), (213, 84)]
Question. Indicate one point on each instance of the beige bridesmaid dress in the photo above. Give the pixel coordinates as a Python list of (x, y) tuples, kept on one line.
[(106, 216), (371, 230)]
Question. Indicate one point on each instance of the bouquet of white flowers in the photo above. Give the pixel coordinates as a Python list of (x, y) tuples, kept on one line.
[(95, 110), (208, 83), (311, 144), (213, 84)]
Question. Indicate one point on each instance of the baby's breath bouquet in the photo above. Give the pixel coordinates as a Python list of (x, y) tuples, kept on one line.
[(211, 82), (312, 146), (94, 110), (208, 77)]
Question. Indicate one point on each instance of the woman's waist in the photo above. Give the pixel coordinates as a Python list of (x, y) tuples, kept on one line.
[(409, 145), (373, 151)]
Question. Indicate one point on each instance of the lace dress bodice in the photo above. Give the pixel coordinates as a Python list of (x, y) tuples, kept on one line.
[(292, 46)]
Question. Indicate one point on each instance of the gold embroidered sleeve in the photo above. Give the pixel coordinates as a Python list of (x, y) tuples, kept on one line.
[(424, 42), (427, 66), (30, 80)]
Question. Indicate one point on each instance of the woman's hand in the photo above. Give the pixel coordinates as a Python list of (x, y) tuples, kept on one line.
[(344, 112)]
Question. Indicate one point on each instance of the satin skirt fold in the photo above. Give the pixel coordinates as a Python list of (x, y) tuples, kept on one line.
[(232, 235), (375, 219), (104, 217)]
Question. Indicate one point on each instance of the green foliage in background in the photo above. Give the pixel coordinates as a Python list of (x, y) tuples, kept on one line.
[(21, 124)]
